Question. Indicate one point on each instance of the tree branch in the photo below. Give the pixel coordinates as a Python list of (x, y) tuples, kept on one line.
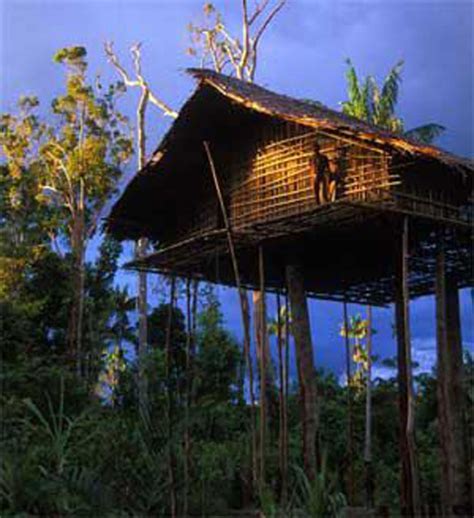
[(140, 80), (265, 24), (259, 8), (108, 48)]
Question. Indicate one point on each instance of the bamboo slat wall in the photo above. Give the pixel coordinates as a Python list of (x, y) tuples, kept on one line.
[(273, 176), (277, 178)]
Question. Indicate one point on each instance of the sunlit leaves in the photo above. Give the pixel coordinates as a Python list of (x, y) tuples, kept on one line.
[(86, 146), (357, 330)]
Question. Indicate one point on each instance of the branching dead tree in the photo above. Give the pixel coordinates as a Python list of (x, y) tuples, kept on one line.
[(146, 96), (214, 45)]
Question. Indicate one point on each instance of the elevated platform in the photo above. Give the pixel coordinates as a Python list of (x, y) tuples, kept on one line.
[(347, 249)]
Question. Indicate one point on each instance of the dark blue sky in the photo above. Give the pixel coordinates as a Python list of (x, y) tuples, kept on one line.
[(302, 55)]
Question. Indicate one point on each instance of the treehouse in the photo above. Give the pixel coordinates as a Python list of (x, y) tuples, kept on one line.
[(304, 182), (254, 189)]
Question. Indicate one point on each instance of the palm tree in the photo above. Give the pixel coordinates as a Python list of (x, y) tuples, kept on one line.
[(376, 105)]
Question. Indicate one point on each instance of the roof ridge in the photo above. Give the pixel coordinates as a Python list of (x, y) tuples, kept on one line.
[(316, 113)]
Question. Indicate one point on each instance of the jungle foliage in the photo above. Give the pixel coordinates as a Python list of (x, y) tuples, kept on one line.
[(73, 441)]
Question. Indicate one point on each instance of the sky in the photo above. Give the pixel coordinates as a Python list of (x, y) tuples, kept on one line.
[(302, 55)]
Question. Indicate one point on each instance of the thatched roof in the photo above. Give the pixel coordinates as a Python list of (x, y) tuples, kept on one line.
[(315, 115), (235, 104)]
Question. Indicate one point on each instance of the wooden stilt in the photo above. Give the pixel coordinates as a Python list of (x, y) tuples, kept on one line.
[(262, 332), (410, 499), (169, 401), (455, 480), (187, 400), (304, 352), (369, 476), (244, 308), (282, 449), (350, 412)]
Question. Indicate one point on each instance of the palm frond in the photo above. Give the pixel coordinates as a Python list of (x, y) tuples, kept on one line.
[(352, 106), (391, 86), (425, 134)]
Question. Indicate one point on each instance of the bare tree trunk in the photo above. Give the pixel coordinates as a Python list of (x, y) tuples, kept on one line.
[(142, 309), (140, 250), (410, 497), (456, 490), (74, 338), (169, 400), (304, 352), (369, 481), (350, 410), (244, 308)]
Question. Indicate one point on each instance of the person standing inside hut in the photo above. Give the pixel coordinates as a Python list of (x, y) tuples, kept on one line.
[(335, 176), (327, 175), (321, 174)]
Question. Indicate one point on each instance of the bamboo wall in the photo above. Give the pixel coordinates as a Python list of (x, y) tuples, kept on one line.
[(277, 178), (270, 174)]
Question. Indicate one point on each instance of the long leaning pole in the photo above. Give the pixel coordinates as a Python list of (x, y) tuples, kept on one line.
[(244, 306)]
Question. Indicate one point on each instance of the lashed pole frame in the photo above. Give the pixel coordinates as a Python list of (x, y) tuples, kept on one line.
[(410, 492), (244, 307)]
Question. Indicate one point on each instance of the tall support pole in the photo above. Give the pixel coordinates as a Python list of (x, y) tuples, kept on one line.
[(455, 480), (350, 410), (369, 479), (304, 353), (410, 497), (169, 400), (282, 446), (262, 339), (244, 308), (187, 399)]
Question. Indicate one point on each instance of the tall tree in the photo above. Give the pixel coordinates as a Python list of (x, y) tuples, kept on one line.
[(27, 225), (77, 162), (146, 96)]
